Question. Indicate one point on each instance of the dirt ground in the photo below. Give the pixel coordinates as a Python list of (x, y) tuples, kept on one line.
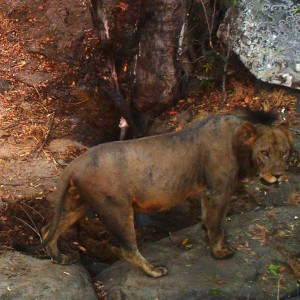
[(47, 118)]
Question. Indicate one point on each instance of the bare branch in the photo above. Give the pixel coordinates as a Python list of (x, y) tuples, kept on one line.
[(37, 212), (226, 65), (34, 228), (29, 227), (50, 124)]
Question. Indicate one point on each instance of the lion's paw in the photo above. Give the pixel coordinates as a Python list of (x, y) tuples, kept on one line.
[(64, 260), (158, 271), (223, 253)]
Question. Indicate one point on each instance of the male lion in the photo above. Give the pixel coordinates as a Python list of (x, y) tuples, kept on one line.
[(155, 173)]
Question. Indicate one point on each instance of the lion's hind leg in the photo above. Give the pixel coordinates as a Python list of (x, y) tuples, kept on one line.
[(73, 210), (120, 221), (134, 257)]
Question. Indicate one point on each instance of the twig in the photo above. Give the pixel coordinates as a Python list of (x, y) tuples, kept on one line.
[(226, 65), (29, 227), (210, 25), (36, 90), (13, 184), (51, 122), (278, 287), (206, 19), (36, 229), (210, 30), (27, 181), (12, 125), (37, 212)]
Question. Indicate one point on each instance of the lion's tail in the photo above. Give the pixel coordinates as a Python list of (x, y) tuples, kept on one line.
[(60, 194)]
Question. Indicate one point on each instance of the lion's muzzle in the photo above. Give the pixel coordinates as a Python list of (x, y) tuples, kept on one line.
[(270, 178)]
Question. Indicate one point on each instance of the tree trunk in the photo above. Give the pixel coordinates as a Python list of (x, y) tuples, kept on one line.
[(145, 48)]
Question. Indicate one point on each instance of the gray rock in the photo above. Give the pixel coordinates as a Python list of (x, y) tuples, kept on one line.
[(194, 274), (265, 35), (27, 278)]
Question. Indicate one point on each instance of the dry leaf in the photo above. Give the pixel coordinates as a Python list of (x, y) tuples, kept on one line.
[(184, 241)]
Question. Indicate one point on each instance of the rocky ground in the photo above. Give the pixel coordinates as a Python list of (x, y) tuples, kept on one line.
[(264, 266)]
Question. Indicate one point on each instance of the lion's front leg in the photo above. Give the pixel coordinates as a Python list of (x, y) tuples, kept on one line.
[(215, 212)]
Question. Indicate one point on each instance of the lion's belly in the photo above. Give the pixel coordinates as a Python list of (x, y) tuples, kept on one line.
[(153, 205), (160, 201)]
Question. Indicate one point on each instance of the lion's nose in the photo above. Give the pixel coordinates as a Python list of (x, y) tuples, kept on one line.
[(279, 170)]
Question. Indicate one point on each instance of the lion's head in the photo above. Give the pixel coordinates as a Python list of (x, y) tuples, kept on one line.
[(268, 147)]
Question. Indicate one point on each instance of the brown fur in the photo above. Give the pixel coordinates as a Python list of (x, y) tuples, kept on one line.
[(155, 173)]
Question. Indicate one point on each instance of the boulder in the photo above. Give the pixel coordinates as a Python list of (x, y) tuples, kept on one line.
[(266, 240), (24, 277), (265, 35)]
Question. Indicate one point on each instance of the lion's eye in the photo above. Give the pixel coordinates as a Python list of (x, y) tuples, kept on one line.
[(265, 153)]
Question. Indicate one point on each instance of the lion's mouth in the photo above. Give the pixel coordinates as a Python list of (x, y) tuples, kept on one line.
[(269, 178)]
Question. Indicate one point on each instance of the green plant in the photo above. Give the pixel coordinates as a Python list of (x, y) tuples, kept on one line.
[(215, 292), (274, 269), (207, 67), (295, 10), (207, 84)]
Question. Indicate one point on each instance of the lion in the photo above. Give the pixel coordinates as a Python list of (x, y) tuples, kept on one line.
[(151, 174)]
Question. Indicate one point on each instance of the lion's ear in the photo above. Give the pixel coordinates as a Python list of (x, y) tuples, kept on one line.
[(246, 133), (284, 126)]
